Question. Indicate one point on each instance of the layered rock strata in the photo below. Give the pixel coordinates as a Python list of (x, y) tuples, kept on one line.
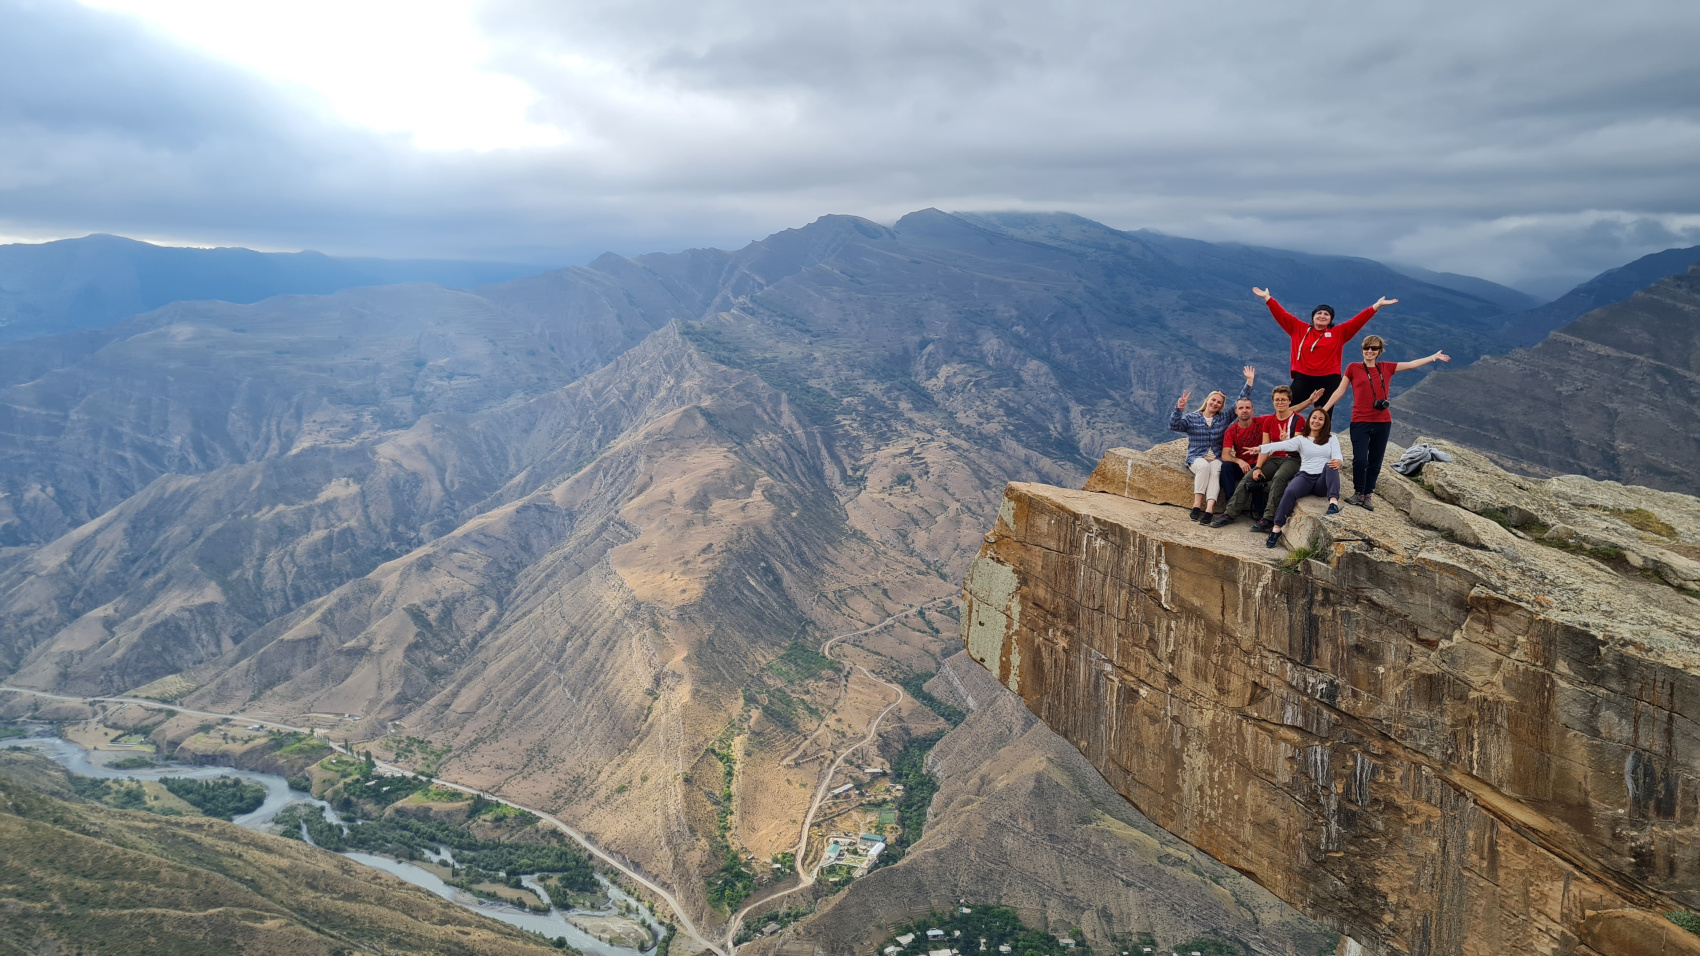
[(1440, 735)]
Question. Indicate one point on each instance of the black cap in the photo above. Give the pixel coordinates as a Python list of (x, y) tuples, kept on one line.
[(1322, 308)]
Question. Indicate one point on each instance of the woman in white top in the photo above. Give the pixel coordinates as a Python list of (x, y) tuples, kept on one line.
[(1319, 468)]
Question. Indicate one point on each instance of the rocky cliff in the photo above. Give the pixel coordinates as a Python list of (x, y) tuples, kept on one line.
[(1464, 723)]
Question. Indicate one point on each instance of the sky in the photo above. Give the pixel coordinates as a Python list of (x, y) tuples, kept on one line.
[(1531, 143)]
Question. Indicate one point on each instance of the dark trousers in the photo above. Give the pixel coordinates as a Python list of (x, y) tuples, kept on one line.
[(1231, 476), (1255, 497), (1304, 485), (1369, 447), (1304, 384)]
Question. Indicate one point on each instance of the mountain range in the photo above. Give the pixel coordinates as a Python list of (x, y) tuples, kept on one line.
[(566, 527), (1610, 395), (53, 287)]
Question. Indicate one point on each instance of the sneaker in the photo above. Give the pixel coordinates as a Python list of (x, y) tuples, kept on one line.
[(1273, 539), (1262, 525), (1357, 500), (1333, 508), (1222, 521), (1196, 513), (1367, 504)]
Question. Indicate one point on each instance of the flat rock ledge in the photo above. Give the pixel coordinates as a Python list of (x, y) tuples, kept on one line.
[(1441, 728)]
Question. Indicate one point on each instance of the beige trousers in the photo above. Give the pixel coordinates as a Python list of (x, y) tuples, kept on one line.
[(1207, 478)]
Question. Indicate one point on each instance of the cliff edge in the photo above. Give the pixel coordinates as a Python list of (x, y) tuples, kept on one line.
[(1464, 723)]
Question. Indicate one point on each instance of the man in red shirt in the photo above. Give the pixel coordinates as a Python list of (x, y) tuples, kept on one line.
[(1264, 474), (1314, 353), (1239, 447)]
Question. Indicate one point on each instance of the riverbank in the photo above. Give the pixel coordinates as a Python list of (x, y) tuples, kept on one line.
[(599, 932)]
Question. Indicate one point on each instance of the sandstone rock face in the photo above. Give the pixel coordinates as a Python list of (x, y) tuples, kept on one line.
[(1441, 736), (1156, 475)]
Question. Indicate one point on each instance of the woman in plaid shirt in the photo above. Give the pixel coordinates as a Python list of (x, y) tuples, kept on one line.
[(1204, 430)]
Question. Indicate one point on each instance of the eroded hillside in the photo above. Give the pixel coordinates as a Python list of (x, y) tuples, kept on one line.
[(550, 538)]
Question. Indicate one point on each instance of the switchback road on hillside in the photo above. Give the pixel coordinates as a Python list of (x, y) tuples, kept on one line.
[(806, 877), (684, 921)]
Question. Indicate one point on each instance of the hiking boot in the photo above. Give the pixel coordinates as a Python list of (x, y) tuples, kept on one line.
[(1333, 508), (1196, 514), (1357, 500), (1222, 521), (1367, 504), (1273, 539)]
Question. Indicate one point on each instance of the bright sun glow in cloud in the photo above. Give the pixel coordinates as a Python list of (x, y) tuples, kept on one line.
[(413, 67)]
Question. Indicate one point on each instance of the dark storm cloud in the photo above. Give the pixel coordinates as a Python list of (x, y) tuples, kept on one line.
[(1529, 142)]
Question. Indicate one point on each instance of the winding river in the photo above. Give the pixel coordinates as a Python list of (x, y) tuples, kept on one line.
[(279, 795)]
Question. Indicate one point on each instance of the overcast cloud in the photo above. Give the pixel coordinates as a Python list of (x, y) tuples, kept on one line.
[(1534, 143)]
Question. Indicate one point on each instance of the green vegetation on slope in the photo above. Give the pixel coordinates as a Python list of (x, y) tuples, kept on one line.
[(733, 882), (909, 768), (122, 794), (915, 684), (997, 925), (222, 797), (799, 663)]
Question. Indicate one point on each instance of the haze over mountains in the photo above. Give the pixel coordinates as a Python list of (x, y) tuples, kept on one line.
[(53, 287), (562, 524)]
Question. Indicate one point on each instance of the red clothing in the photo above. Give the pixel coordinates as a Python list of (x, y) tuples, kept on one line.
[(1278, 430), (1313, 352), (1243, 440), (1367, 386)]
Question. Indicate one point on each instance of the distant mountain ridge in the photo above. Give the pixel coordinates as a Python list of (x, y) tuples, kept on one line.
[(54, 287), (1527, 328), (1611, 395)]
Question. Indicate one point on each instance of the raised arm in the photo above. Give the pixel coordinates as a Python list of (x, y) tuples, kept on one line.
[(1177, 419), (1419, 363), (1285, 319), (1339, 393), (1362, 318), (1315, 397), (1250, 377)]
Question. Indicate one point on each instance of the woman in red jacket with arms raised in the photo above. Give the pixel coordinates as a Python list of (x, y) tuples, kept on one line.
[(1315, 352)]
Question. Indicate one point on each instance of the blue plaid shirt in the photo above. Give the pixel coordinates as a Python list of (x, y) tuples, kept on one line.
[(1204, 438)]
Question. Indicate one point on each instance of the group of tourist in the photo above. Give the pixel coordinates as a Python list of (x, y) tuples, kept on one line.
[(1265, 464)]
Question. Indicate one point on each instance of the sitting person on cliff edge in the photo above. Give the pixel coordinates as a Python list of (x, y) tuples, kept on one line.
[(1204, 429), (1319, 469), (1261, 493), (1372, 413), (1239, 448), (1314, 352)]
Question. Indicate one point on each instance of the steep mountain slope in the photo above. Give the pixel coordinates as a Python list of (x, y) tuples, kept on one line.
[(91, 418), (1610, 395), (1022, 819), (81, 877), (55, 287), (563, 527), (1527, 328)]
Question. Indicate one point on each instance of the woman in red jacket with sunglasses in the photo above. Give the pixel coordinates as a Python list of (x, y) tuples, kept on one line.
[(1315, 350)]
